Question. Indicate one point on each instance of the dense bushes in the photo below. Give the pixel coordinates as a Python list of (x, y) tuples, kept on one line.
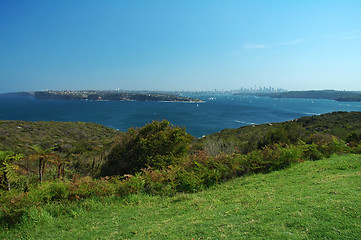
[(342, 125), (157, 145), (18, 135), (82, 145), (287, 134)]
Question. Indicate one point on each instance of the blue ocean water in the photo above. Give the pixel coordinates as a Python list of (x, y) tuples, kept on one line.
[(217, 112)]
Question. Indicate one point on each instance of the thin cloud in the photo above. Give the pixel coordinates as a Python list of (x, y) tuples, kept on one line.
[(352, 35), (298, 41), (252, 46), (258, 46)]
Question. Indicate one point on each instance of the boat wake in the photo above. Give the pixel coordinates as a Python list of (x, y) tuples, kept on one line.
[(246, 123)]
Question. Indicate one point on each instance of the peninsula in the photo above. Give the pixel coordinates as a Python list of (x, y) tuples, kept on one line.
[(340, 96), (110, 95)]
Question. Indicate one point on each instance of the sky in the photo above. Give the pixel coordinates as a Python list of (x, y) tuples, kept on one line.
[(179, 45)]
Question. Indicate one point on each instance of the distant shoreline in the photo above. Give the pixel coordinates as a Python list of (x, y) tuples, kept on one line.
[(114, 95), (340, 96), (98, 95)]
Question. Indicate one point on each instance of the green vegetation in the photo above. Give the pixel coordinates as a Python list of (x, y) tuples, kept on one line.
[(311, 200), (73, 136), (156, 145), (345, 126), (8, 168), (342, 96), (75, 147), (45, 175)]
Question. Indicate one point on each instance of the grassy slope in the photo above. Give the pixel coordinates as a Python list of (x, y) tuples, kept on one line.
[(316, 200)]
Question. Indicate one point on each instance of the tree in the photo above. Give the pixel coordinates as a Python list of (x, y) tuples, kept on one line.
[(43, 155), (158, 144), (60, 163), (8, 167)]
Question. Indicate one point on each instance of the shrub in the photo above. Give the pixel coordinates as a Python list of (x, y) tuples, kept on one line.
[(356, 149), (156, 181), (88, 187), (157, 145), (325, 144), (272, 157), (50, 191), (353, 138), (291, 154), (188, 181), (288, 133), (310, 151), (334, 146), (319, 138), (12, 207), (130, 184)]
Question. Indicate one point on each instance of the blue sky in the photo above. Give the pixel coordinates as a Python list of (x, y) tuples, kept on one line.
[(180, 45)]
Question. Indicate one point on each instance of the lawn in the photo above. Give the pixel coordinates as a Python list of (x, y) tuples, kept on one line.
[(310, 200)]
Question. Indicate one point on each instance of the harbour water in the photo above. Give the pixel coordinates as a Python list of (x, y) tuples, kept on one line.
[(217, 112)]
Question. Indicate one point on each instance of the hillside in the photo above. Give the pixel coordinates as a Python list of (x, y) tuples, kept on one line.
[(82, 145), (18, 135), (86, 145), (99, 95), (311, 200), (341, 96), (344, 125)]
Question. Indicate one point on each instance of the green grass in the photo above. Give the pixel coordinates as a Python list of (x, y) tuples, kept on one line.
[(311, 200)]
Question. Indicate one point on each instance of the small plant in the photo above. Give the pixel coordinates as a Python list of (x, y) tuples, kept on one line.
[(12, 207), (50, 191), (130, 184), (9, 168)]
